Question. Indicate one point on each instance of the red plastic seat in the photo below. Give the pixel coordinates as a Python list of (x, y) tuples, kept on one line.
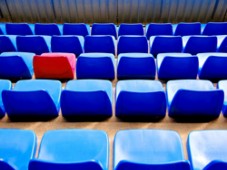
[(55, 65)]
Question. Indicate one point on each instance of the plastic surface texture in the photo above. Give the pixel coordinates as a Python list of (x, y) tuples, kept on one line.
[(148, 149), (80, 29), (104, 29), (17, 147), (184, 29), (130, 29), (7, 44), (47, 29), (215, 28), (87, 98), (4, 85), (223, 85), (73, 149), (18, 29), (154, 29)]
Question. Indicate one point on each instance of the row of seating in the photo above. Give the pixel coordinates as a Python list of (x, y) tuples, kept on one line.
[(132, 149), (100, 43), (186, 99), (152, 29)]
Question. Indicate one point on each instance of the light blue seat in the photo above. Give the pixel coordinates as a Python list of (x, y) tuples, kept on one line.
[(72, 149), (7, 43), (165, 44), (34, 43), (156, 29), (87, 98), (79, 29), (177, 66), (95, 66), (104, 29), (136, 66), (17, 147), (140, 99), (130, 29), (16, 65), (132, 44), (18, 29), (222, 84), (99, 44), (199, 44), (188, 28), (194, 99), (4, 85), (212, 66), (48, 29), (215, 28), (33, 99), (206, 149), (68, 44), (148, 149)]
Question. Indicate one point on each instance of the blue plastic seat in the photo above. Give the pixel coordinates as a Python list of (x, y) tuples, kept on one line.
[(196, 99), (87, 98), (140, 99), (79, 29), (47, 29), (18, 29), (177, 66), (130, 29), (148, 149), (95, 66), (104, 29), (223, 45), (199, 44), (99, 44), (136, 66), (222, 84), (132, 44), (34, 43), (185, 29), (212, 66), (16, 65), (165, 44), (7, 43), (17, 147), (68, 44), (33, 98), (215, 28), (4, 85), (155, 29), (206, 149), (72, 149)]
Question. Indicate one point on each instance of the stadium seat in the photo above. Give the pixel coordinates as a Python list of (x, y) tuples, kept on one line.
[(199, 44), (187, 29), (34, 43), (79, 29), (148, 149), (1, 32), (165, 44), (177, 66), (4, 85), (55, 65), (16, 65), (155, 29), (222, 84), (17, 147), (99, 44), (18, 29), (140, 99), (130, 29), (95, 66), (206, 149), (33, 99), (223, 45), (212, 66), (72, 149), (49, 29), (7, 43), (68, 44), (132, 44), (136, 66), (104, 29), (194, 100), (215, 28), (87, 99)]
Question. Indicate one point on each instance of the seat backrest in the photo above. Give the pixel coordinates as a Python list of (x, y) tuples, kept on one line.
[(215, 28), (130, 29), (80, 29), (184, 29), (47, 29), (104, 29), (18, 29), (223, 46), (154, 29), (6, 44)]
